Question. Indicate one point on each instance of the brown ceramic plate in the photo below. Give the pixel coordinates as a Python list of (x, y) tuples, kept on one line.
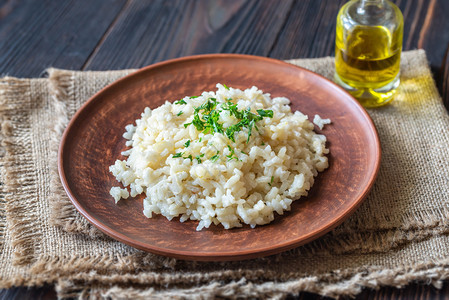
[(93, 141)]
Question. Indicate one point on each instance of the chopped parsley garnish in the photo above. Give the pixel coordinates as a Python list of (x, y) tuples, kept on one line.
[(201, 138), (265, 113), (179, 102), (246, 118), (206, 119), (180, 113), (271, 182), (215, 157), (231, 155), (207, 122), (263, 144), (198, 158)]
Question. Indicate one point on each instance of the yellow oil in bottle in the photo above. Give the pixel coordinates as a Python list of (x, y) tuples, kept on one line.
[(367, 58)]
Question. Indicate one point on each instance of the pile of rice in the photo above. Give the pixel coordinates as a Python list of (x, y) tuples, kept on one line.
[(276, 166)]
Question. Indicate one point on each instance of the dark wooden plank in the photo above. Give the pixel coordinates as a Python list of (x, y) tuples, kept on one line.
[(151, 31), (38, 34), (309, 30), (435, 37), (412, 291), (426, 27), (443, 79), (33, 293)]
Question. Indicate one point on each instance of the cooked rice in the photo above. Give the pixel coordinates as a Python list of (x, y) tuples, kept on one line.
[(276, 166), (320, 122)]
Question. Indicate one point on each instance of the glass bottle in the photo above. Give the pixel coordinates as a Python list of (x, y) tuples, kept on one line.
[(368, 48)]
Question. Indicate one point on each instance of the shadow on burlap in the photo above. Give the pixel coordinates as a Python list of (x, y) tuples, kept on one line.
[(398, 235)]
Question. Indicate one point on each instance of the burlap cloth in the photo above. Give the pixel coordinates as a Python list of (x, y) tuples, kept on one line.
[(398, 235)]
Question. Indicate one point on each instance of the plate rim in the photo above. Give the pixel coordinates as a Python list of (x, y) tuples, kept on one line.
[(222, 255)]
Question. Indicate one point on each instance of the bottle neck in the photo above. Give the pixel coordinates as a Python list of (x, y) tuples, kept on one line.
[(378, 3), (371, 8)]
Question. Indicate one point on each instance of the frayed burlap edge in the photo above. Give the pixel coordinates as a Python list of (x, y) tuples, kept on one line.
[(48, 270), (244, 285), (17, 184), (5, 128)]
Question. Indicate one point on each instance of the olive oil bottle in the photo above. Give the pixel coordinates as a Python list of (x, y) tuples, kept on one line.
[(368, 48)]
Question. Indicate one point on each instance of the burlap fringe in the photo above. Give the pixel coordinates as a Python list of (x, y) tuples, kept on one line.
[(55, 267), (335, 285), (2, 218), (64, 214), (381, 241), (5, 130), (17, 187), (102, 263), (48, 269), (424, 219)]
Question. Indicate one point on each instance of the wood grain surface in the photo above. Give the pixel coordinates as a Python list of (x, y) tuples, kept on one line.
[(36, 35), (181, 28), (113, 34)]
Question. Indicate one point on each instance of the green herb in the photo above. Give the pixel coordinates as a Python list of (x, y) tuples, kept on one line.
[(180, 113), (207, 106), (226, 87), (247, 120), (193, 97), (232, 107), (263, 144), (206, 118), (244, 152), (198, 158), (231, 155), (215, 157), (179, 154), (201, 138), (265, 113), (272, 178), (179, 102)]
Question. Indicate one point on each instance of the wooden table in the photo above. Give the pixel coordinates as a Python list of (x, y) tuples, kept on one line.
[(118, 34)]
